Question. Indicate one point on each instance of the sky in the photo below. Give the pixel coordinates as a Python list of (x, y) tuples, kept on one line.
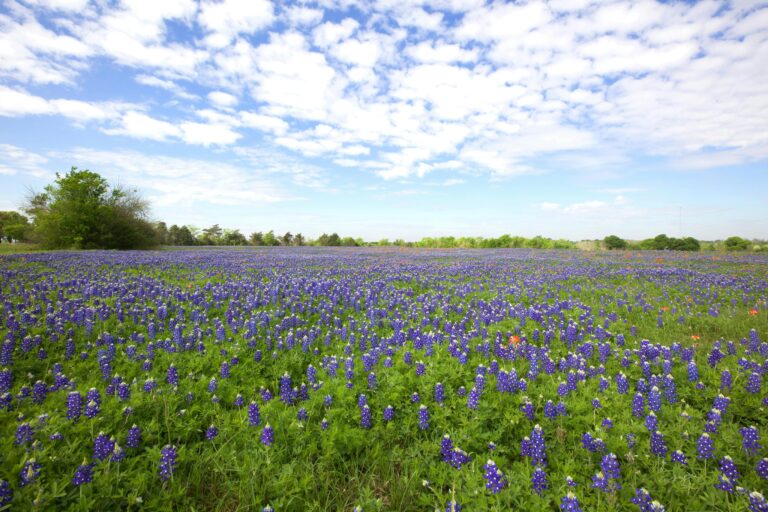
[(398, 118)]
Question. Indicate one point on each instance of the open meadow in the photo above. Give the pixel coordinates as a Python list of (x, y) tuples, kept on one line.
[(383, 379)]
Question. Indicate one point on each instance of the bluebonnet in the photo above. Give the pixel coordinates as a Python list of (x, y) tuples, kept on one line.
[(389, 413), (301, 415), (679, 457), (29, 473), (103, 446), (211, 433), (167, 462), (439, 393), (645, 503), (539, 481), (172, 375), (757, 502), (570, 503), (495, 480), (658, 444), (452, 506), (754, 382), (254, 415), (134, 437), (365, 416), (729, 475), (761, 468), (473, 398), (651, 422), (538, 448), (74, 405), (24, 433), (423, 417), (638, 405), (6, 494), (750, 440), (268, 435)]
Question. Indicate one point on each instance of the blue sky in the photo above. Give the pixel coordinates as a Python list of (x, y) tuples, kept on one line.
[(398, 118)]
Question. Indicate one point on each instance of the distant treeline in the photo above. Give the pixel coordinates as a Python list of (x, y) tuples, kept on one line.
[(81, 210)]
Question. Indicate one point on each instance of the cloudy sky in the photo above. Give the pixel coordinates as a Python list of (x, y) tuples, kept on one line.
[(398, 118)]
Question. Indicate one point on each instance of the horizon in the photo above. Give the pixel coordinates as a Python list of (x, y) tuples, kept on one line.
[(399, 120)]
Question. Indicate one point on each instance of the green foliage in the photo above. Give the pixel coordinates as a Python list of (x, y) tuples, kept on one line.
[(736, 243), (614, 242), (665, 243), (81, 211), (14, 226)]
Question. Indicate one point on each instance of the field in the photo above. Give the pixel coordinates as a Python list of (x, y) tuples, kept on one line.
[(319, 379)]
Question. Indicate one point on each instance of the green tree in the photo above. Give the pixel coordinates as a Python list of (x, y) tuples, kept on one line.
[(614, 242), (286, 239), (298, 239), (256, 238), (270, 238), (348, 241), (334, 240), (233, 237), (14, 226), (81, 210), (736, 243)]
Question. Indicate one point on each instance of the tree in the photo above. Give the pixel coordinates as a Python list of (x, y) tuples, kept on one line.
[(14, 226), (286, 239), (736, 243), (298, 239), (81, 210), (334, 240), (348, 241), (233, 237), (270, 238), (614, 242), (256, 238), (162, 233)]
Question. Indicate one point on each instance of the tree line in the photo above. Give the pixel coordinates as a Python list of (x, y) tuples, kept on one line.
[(81, 210)]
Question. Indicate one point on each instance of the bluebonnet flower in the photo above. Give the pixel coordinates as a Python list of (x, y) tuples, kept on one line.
[(324, 424), (658, 444), (301, 415), (570, 482), (134, 437), (225, 370), (266, 394), (651, 422), (599, 481), (239, 400), (149, 385), (729, 475), (211, 433), (705, 447), (6, 494), (528, 409), (103, 446), (610, 467), (123, 392), (754, 382), (267, 435), (539, 481), (761, 468), (458, 458), (172, 375), (452, 506), (596, 403), (570, 503), (74, 405), (29, 473), (213, 385), (607, 424), (167, 462), (415, 398), (726, 380), (39, 392), (638, 405), (372, 381), (693, 372), (421, 368), (365, 417), (654, 399), (24, 433), (56, 436), (495, 480), (362, 400), (757, 502), (750, 440), (538, 448), (462, 391), (254, 415), (439, 393), (679, 457), (389, 413), (525, 447), (645, 503), (473, 398), (327, 401), (423, 417), (550, 411), (446, 448), (622, 383)]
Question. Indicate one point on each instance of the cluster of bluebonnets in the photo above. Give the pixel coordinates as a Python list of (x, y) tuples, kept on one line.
[(298, 379)]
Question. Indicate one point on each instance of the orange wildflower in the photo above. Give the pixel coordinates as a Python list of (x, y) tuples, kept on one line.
[(753, 312), (514, 340), (665, 308), (695, 337)]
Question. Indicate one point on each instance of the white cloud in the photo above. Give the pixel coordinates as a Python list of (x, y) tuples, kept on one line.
[(330, 33), (15, 103), (225, 19), (304, 16), (208, 134), (142, 126), (440, 53), (222, 99), (15, 160), (264, 123), (549, 206), (168, 85)]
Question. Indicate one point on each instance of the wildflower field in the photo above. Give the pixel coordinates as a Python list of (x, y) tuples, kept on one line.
[(378, 379)]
